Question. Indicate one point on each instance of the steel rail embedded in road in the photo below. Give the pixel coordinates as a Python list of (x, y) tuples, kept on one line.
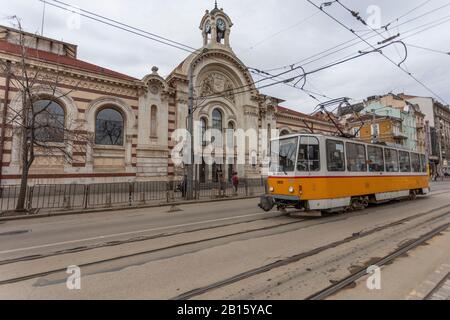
[(46, 273), (315, 251), (127, 241), (335, 288), (438, 287), (144, 238), (295, 258)]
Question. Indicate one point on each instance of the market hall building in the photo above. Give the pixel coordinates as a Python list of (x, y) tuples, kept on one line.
[(143, 112)]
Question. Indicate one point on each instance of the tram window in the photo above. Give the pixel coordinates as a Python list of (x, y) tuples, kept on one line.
[(283, 155), (423, 163), (405, 164), (376, 161), (415, 162), (335, 156), (308, 154), (391, 157), (356, 157)]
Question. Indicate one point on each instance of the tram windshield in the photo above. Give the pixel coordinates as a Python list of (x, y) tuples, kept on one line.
[(283, 155)]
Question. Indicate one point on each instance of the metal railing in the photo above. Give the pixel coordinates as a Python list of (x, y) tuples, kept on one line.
[(108, 195)]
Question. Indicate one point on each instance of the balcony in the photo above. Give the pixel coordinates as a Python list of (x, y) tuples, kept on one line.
[(399, 135)]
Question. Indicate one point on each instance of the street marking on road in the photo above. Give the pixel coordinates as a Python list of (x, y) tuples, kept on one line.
[(131, 232)]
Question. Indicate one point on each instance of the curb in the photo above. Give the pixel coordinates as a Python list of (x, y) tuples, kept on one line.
[(80, 212)]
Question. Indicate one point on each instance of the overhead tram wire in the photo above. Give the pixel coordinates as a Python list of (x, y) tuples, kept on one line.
[(409, 12), (428, 49), (386, 26), (279, 32), (357, 39), (306, 73), (434, 24), (161, 40), (357, 16), (124, 27), (117, 26), (389, 59), (137, 31)]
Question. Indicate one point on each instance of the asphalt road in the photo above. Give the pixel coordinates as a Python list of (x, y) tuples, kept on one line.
[(157, 254)]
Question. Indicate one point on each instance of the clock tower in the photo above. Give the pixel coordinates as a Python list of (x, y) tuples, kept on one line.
[(216, 26)]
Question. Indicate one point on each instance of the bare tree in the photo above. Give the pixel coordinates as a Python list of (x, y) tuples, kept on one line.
[(43, 126)]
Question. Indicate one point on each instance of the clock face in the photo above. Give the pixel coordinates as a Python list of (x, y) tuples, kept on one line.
[(221, 25), (208, 27)]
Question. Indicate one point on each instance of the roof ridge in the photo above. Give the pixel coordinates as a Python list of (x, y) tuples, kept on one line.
[(13, 48)]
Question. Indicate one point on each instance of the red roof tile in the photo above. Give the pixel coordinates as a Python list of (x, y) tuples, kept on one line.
[(300, 114), (62, 60)]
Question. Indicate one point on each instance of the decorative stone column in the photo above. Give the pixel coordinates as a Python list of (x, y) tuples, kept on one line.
[(90, 152), (128, 150), (227, 37), (213, 31)]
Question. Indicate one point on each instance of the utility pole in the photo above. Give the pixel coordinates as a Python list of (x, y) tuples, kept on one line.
[(374, 135), (190, 171), (190, 177)]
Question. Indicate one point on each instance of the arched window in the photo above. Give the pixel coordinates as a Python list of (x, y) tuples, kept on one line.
[(49, 118), (217, 120), (109, 128), (284, 133), (153, 122)]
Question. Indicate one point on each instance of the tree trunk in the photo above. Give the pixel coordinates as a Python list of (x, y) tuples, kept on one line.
[(23, 190), (25, 169)]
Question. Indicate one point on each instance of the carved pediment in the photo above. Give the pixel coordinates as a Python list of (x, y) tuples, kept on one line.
[(217, 84)]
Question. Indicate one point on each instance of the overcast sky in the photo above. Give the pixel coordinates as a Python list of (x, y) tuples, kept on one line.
[(266, 34)]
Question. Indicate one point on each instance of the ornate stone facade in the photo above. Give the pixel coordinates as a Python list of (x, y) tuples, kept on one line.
[(151, 110)]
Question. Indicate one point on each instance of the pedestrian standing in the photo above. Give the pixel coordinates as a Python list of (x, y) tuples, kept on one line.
[(235, 181), (183, 186)]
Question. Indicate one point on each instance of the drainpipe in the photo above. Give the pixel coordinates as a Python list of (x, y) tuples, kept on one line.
[(4, 114)]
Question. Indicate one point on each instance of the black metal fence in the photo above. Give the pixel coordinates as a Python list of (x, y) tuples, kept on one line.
[(107, 195)]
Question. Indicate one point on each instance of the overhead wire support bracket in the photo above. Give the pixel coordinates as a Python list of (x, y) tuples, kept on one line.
[(389, 39)]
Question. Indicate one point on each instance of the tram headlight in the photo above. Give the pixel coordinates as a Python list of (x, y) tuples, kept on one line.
[(271, 189), (291, 189)]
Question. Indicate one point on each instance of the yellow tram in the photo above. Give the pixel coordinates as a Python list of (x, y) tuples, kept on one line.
[(330, 174)]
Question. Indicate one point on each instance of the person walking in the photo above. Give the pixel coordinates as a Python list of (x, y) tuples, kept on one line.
[(235, 181)]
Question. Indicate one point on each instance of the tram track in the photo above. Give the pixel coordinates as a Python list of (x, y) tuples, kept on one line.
[(172, 234), (298, 257), (438, 287), (147, 238), (343, 283), (185, 244)]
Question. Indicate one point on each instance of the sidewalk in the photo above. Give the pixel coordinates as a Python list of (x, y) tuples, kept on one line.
[(51, 213)]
